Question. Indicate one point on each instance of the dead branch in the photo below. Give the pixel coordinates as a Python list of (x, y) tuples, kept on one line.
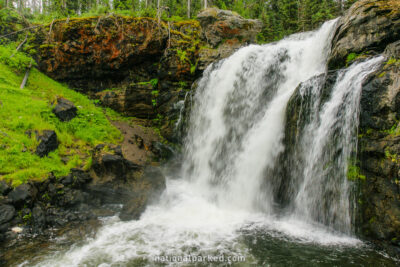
[(11, 33), (20, 45), (26, 76), (51, 27)]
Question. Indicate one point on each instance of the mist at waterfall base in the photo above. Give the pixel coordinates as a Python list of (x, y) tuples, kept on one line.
[(227, 199)]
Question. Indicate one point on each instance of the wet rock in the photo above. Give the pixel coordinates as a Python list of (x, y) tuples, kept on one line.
[(7, 212), (134, 208), (77, 178), (48, 142), (4, 188), (65, 110), (162, 151), (38, 216), (155, 180), (23, 195), (72, 198), (379, 151)]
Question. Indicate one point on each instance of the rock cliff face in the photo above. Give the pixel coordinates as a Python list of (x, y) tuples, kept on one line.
[(140, 67), (371, 28)]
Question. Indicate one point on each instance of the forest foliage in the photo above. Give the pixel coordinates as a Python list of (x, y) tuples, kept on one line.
[(280, 17)]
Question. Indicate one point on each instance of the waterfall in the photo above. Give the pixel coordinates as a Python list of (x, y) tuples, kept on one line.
[(327, 144), (237, 123), (239, 173)]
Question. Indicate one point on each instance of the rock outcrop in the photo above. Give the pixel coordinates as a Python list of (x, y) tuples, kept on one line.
[(138, 66), (219, 25), (81, 195), (379, 151), (366, 29), (65, 110)]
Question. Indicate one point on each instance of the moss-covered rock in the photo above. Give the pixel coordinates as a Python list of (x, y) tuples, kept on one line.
[(379, 151)]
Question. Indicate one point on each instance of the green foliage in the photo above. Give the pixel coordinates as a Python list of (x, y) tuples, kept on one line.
[(154, 82), (15, 60), (24, 111), (353, 173), (182, 55), (351, 57), (27, 217)]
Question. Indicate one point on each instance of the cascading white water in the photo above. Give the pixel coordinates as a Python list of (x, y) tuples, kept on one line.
[(327, 144), (237, 122), (235, 136)]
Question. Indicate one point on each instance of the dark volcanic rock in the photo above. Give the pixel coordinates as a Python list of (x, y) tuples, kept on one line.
[(48, 142), (7, 212), (134, 208), (23, 195), (65, 110), (379, 151), (151, 187), (38, 216), (4, 188)]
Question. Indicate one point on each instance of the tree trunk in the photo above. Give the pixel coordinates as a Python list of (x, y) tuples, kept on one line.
[(341, 7), (205, 4), (188, 8)]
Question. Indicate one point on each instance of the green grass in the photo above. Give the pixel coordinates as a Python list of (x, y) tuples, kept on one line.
[(30, 109)]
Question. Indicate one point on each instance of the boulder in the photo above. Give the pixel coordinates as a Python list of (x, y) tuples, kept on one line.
[(65, 110), (7, 213), (134, 208), (366, 28), (48, 142), (4, 188), (219, 25), (150, 188)]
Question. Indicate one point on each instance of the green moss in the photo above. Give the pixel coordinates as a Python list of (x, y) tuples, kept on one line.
[(353, 173), (392, 157), (351, 57), (372, 220), (382, 74), (29, 110), (392, 61), (27, 217)]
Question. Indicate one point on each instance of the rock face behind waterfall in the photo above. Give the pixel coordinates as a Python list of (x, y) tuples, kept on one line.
[(368, 29)]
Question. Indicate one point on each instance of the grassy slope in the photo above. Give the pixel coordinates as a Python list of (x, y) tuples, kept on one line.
[(29, 109)]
